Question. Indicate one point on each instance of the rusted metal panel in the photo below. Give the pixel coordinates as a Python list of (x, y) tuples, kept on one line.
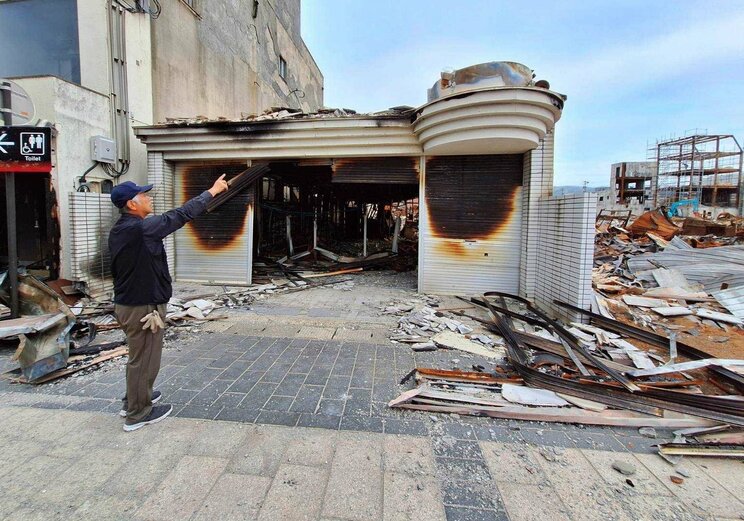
[(385, 170), (473, 221), (216, 246)]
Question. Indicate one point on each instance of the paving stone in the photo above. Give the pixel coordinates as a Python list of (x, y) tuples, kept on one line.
[(410, 427), (311, 448), (278, 403), (699, 490), (358, 462), (408, 455), (726, 472), (532, 503), (261, 452), (542, 437), (221, 439), (278, 418), (238, 414), (452, 469), (513, 463), (410, 498), (449, 447), (643, 480), (471, 495), (361, 423), (200, 412), (319, 420), (184, 489), (295, 493), (86, 474), (140, 474), (307, 399), (234, 497), (472, 514), (107, 508)]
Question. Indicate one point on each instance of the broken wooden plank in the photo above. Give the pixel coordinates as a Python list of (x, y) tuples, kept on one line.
[(612, 418)]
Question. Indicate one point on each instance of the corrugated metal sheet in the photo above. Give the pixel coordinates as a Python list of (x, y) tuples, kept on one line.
[(731, 299), (387, 170), (710, 267), (471, 237), (217, 246), (91, 217)]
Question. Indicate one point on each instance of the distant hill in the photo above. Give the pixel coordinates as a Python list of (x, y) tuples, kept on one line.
[(572, 189)]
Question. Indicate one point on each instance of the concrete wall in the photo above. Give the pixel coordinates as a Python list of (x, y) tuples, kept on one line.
[(565, 252), (78, 114), (220, 62)]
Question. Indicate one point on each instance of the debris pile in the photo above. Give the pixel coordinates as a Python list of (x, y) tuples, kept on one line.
[(604, 372), (427, 329)]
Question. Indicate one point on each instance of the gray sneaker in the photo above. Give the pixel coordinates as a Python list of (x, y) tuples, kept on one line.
[(158, 413), (156, 396)]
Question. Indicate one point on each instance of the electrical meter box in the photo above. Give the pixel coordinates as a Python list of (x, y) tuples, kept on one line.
[(102, 149)]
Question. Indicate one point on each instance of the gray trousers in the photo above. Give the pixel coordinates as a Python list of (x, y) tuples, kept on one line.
[(145, 349)]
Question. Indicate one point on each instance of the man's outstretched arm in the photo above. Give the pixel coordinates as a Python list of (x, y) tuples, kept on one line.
[(160, 226)]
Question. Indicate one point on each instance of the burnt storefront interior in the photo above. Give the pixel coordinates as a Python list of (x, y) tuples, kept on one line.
[(303, 214)]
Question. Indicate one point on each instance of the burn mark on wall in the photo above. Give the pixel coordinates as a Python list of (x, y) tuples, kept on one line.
[(222, 228), (386, 170), (471, 197)]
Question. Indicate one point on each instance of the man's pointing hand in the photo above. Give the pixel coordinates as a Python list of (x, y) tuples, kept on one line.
[(219, 186)]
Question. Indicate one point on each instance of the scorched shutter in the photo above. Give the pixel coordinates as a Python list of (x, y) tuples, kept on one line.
[(216, 246), (471, 239)]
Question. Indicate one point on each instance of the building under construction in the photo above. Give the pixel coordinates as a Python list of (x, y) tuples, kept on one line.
[(702, 169), (633, 181)]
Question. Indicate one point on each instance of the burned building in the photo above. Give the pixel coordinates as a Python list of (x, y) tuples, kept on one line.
[(467, 177)]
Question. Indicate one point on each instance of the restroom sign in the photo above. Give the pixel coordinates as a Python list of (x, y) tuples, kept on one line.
[(25, 149), (33, 143)]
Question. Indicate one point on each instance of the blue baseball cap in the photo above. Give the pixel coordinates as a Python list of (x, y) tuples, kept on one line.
[(126, 191)]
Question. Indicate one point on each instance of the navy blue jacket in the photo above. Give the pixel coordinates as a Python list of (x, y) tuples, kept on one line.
[(138, 261)]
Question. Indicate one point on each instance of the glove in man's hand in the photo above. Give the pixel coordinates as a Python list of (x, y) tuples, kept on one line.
[(152, 321)]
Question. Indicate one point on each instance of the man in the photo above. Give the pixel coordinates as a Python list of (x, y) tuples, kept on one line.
[(142, 288)]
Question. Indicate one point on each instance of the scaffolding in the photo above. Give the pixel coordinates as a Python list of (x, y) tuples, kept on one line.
[(700, 166)]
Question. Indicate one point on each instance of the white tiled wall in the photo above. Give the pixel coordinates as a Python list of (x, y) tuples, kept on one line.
[(564, 252), (537, 183)]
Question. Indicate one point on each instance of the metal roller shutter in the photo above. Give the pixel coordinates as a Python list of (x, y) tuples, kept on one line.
[(473, 213), (386, 170), (217, 246)]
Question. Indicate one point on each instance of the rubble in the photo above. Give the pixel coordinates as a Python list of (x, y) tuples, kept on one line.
[(609, 371)]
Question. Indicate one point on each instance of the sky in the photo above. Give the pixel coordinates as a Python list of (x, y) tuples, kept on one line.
[(634, 71)]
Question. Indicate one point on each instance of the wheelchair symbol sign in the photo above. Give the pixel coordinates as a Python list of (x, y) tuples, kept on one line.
[(32, 143)]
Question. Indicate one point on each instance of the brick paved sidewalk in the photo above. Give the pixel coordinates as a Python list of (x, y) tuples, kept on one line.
[(297, 389), (63, 464)]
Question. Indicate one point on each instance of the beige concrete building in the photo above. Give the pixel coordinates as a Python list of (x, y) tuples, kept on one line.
[(101, 67)]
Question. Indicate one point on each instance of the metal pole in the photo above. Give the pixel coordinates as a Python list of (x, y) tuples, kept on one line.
[(6, 98), (10, 210), (364, 253)]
